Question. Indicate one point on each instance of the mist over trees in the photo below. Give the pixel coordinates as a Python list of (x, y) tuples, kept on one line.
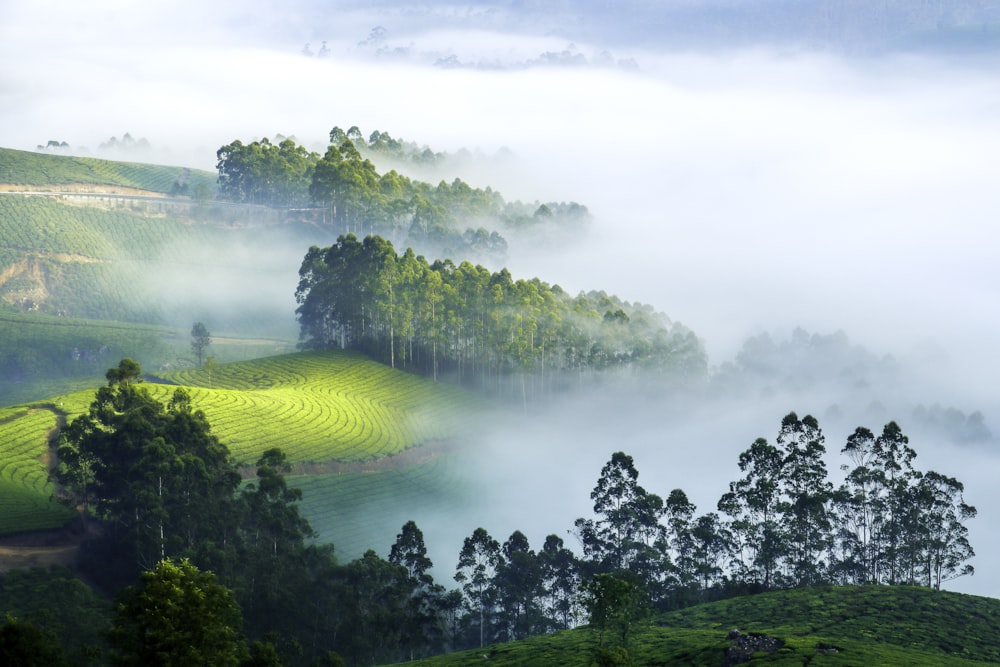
[(343, 189), (487, 330)]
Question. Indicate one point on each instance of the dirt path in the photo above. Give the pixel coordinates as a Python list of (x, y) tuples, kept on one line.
[(41, 548)]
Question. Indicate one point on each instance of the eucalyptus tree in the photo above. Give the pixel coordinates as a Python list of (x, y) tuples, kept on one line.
[(560, 576), (478, 563), (177, 615), (943, 543), (754, 505), (626, 534), (895, 478), (807, 497), (518, 585), (859, 502)]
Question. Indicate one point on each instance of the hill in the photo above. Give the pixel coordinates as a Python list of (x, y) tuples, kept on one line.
[(823, 626), (45, 171), (338, 416)]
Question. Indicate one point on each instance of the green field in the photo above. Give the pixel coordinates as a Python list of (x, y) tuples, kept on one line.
[(42, 169), (859, 626), (325, 410), (321, 407), (43, 355), (365, 510), (25, 490)]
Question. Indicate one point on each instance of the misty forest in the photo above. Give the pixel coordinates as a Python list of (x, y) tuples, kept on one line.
[(629, 364)]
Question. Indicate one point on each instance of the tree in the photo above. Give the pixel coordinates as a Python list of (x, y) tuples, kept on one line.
[(753, 505), (179, 616), (807, 494), (477, 566), (613, 603), (154, 472), (518, 582), (628, 518), (26, 645), (200, 340)]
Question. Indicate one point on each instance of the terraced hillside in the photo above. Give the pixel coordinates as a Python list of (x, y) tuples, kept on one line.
[(323, 407), (25, 490), (331, 412), (26, 168)]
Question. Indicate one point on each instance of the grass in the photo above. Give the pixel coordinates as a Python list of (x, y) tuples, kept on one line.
[(329, 412), (44, 355), (25, 491), (42, 169), (322, 407), (365, 510), (826, 626)]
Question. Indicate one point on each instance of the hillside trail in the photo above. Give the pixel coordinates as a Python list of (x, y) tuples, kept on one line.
[(43, 548)]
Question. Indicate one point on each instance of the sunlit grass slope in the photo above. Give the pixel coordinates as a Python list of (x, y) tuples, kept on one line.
[(42, 169), (25, 490), (830, 626), (323, 406)]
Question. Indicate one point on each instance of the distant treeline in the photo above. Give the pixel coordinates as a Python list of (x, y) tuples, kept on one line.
[(480, 328), (355, 198)]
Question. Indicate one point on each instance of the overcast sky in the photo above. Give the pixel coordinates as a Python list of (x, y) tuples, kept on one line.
[(738, 191)]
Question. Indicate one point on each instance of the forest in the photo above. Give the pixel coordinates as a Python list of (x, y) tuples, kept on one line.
[(176, 523)]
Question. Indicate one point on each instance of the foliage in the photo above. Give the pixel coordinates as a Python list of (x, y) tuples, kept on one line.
[(177, 616), (482, 328), (355, 198), (200, 340), (25, 645), (154, 472), (57, 602)]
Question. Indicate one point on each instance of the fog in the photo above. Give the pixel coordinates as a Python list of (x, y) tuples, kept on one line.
[(742, 191)]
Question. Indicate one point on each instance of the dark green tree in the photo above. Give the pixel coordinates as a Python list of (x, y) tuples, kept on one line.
[(478, 563), (177, 615), (26, 645), (807, 494), (153, 472), (753, 505)]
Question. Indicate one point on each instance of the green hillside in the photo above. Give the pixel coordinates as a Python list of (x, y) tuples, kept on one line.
[(826, 626), (41, 169), (330, 412)]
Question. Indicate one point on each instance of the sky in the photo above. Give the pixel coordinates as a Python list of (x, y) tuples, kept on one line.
[(741, 190)]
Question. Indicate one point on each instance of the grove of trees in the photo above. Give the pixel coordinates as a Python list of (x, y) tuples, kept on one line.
[(483, 329), (354, 197)]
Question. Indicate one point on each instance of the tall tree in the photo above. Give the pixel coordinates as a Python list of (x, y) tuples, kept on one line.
[(478, 563), (807, 493), (753, 505), (153, 471)]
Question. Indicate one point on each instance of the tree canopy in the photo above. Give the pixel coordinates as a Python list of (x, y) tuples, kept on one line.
[(484, 329)]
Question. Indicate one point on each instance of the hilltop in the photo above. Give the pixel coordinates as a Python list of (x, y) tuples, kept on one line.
[(817, 626)]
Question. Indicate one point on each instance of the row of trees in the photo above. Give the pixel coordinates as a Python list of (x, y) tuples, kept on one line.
[(483, 329), (782, 524), (452, 217)]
